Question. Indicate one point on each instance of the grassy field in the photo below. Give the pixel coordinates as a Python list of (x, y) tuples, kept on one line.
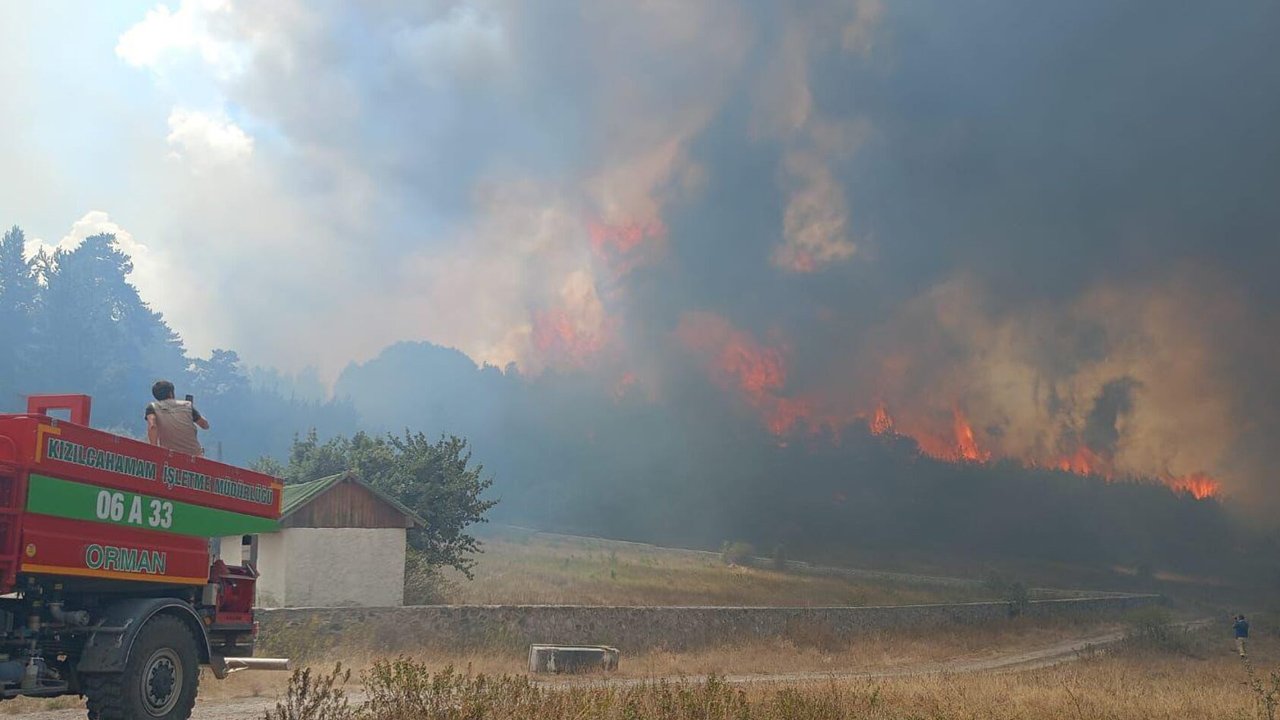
[(802, 649), (523, 567), (1169, 675), (1182, 677)]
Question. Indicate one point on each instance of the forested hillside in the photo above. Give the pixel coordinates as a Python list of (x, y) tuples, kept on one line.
[(73, 323), (573, 450), (570, 451)]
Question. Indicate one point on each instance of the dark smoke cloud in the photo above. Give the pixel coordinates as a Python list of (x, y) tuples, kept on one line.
[(1058, 221), (1101, 433), (1044, 200)]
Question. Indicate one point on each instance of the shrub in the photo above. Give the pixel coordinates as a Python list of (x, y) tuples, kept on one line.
[(1011, 591), (424, 584), (315, 697), (1151, 628), (737, 553), (779, 557), (406, 690), (1265, 692)]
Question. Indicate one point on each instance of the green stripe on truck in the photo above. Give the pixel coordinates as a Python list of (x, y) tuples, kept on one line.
[(78, 501)]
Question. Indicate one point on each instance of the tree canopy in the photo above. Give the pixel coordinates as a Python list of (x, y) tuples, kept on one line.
[(437, 480), (569, 451), (72, 322)]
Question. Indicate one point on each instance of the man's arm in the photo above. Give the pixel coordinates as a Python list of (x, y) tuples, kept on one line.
[(153, 432), (198, 419)]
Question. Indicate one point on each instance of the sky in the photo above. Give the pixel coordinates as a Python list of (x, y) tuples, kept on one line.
[(1051, 228), (284, 171)]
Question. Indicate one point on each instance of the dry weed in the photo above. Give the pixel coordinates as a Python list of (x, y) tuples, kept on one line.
[(540, 569)]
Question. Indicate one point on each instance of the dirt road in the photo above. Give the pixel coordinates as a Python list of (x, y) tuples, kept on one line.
[(1055, 654), (1049, 655)]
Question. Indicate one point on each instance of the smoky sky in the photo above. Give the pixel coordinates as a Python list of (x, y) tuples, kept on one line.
[(1056, 222), (1040, 148), (1042, 155), (1114, 402)]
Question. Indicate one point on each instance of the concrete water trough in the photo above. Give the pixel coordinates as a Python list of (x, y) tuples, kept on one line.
[(572, 658)]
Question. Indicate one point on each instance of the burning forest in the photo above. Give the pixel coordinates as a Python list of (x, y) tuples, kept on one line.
[(830, 263)]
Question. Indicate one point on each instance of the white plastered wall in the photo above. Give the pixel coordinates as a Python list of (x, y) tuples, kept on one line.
[(273, 564), (335, 567)]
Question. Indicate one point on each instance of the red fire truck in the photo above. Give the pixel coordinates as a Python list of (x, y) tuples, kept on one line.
[(108, 587)]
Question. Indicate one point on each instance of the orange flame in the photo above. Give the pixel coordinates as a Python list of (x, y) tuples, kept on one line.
[(627, 245), (757, 372), (1085, 462), (558, 337), (624, 237), (959, 446), (1199, 485), (881, 422), (965, 442)]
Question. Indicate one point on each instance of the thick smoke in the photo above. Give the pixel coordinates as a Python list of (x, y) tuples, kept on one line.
[(1112, 405), (1044, 233)]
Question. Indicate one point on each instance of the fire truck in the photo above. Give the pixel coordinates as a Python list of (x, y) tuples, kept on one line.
[(109, 585)]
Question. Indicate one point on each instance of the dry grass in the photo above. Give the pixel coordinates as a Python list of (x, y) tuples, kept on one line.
[(1195, 677), (1125, 686), (803, 649), (532, 568), (875, 652), (25, 705), (244, 684), (1132, 684)]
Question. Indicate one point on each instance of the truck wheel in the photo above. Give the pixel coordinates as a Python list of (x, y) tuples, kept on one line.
[(159, 681)]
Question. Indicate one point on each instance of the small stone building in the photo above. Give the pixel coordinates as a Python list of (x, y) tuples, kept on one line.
[(340, 543)]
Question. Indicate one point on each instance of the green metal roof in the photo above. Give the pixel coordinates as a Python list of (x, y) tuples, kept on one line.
[(298, 495)]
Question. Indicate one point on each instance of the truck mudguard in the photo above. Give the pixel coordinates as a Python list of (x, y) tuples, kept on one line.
[(108, 648)]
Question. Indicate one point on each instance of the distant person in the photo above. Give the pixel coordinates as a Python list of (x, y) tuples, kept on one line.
[(172, 423), (1241, 627)]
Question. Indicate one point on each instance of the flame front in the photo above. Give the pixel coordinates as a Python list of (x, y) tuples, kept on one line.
[(757, 373), (1199, 485), (881, 422), (1083, 461), (957, 444)]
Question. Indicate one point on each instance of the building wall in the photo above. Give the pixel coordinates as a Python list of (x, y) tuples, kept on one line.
[(273, 563), (333, 567), (347, 505), (632, 629)]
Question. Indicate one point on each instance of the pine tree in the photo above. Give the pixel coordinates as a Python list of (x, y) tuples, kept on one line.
[(18, 289), (98, 337)]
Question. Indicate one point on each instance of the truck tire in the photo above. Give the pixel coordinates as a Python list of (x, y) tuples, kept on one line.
[(159, 681)]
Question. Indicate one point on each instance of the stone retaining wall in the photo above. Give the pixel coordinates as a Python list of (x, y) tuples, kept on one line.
[(632, 629)]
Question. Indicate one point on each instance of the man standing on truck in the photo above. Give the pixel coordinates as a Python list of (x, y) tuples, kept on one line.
[(172, 423)]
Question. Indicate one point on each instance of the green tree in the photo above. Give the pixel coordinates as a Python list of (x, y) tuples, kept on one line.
[(18, 291), (310, 459), (98, 337), (437, 480), (219, 376)]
